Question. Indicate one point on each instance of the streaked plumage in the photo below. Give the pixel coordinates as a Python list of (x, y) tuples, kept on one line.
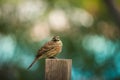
[(49, 50)]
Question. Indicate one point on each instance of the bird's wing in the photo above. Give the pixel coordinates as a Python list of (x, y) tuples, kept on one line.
[(47, 47)]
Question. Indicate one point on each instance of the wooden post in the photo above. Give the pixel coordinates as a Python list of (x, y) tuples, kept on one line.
[(58, 69)]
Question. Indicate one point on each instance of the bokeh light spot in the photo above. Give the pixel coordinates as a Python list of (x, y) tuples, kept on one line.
[(82, 17), (7, 47), (58, 20), (99, 46)]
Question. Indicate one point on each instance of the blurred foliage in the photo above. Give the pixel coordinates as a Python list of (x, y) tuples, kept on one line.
[(89, 30)]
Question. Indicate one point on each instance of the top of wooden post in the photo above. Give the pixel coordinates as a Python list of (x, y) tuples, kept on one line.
[(58, 69)]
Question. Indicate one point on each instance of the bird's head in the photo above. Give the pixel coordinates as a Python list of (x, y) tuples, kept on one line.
[(56, 38)]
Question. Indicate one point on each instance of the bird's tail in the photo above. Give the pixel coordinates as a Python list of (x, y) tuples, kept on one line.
[(32, 63)]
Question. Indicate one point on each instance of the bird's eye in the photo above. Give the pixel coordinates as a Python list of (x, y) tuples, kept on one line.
[(57, 39)]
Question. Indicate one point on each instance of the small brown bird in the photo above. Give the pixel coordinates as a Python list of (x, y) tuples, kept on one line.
[(49, 50)]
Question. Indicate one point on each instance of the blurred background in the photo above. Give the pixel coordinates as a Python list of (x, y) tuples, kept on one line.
[(89, 29)]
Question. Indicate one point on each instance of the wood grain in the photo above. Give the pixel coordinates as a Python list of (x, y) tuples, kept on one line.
[(58, 69)]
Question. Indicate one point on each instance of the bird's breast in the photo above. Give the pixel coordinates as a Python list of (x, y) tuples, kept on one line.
[(59, 49)]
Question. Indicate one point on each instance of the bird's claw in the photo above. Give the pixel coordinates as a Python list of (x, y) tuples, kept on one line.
[(52, 57)]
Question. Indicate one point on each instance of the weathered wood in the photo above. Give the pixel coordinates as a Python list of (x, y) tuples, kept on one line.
[(58, 69)]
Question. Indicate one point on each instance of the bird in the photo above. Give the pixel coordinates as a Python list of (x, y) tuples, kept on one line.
[(49, 50)]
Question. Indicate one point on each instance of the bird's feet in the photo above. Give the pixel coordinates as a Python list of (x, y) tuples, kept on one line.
[(52, 57)]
